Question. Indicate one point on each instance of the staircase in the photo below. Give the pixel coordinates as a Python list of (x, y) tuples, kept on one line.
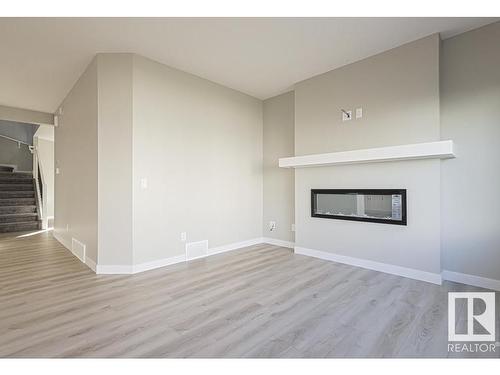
[(18, 208)]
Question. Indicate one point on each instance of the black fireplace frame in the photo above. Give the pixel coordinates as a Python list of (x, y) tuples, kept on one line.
[(402, 192)]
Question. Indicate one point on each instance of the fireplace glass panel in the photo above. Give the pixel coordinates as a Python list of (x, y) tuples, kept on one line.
[(385, 206)]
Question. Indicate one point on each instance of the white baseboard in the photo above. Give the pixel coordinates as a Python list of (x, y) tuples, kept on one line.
[(411, 273), (128, 269), (88, 262), (91, 264), (234, 246), (61, 240), (114, 269), (281, 243), (158, 263), (463, 278)]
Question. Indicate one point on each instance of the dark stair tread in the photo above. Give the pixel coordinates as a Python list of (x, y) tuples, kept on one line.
[(16, 175), (19, 226), (17, 194), (23, 201), (16, 187), (26, 208), (19, 217), (16, 181)]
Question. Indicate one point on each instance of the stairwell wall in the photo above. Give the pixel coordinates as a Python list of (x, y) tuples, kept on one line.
[(76, 158)]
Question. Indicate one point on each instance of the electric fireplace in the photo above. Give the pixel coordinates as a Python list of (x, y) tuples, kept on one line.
[(386, 206)]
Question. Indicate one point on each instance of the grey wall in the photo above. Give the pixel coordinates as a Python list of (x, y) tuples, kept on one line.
[(279, 122), (199, 145), (399, 93), (18, 130), (470, 115), (11, 154), (76, 157)]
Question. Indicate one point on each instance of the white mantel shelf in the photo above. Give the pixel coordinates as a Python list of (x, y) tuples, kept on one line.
[(429, 150)]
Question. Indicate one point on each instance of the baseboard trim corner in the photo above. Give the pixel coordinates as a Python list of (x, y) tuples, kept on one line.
[(434, 278), (280, 243), (463, 278)]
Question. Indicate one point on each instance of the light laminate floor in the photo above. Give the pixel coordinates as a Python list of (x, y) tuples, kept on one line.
[(261, 301)]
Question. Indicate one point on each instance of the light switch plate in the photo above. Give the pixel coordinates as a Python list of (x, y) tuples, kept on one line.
[(359, 112), (144, 183)]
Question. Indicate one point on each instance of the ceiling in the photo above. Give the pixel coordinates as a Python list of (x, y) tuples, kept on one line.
[(42, 57)]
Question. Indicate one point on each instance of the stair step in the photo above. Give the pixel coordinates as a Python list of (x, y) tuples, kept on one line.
[(15, 218), (17, 202), (19, 227), (16, 194), (16, 175), (17, 209), (15, 180), (16, 187)]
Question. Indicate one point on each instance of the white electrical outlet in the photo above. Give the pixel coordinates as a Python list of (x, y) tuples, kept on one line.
[(272, 226), (293, 227), (359, 112), (346, 115), (57, 171), (144, 183), (183, 236)]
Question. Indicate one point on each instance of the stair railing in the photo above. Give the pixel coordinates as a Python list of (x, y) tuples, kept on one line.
[(40, 188), (19, 143)]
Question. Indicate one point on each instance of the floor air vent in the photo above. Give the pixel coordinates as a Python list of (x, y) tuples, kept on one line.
[(195, 250), (78, 249)]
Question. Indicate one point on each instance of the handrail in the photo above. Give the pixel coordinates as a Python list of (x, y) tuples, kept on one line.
[(15, 140)]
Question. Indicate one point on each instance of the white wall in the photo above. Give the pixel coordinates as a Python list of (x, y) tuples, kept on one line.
[(199, 145), (115, 158), (76, 157), (399, 93), (279, 122), (470, 115)]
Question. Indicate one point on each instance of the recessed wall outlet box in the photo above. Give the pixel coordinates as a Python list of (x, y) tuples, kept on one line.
[(272, 226), (144, 183), (183, 236), (293, 227), (346, 115), (359, 112), (57, 170)]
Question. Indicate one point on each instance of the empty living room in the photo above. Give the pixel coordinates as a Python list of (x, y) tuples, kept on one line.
[(178, 189)]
